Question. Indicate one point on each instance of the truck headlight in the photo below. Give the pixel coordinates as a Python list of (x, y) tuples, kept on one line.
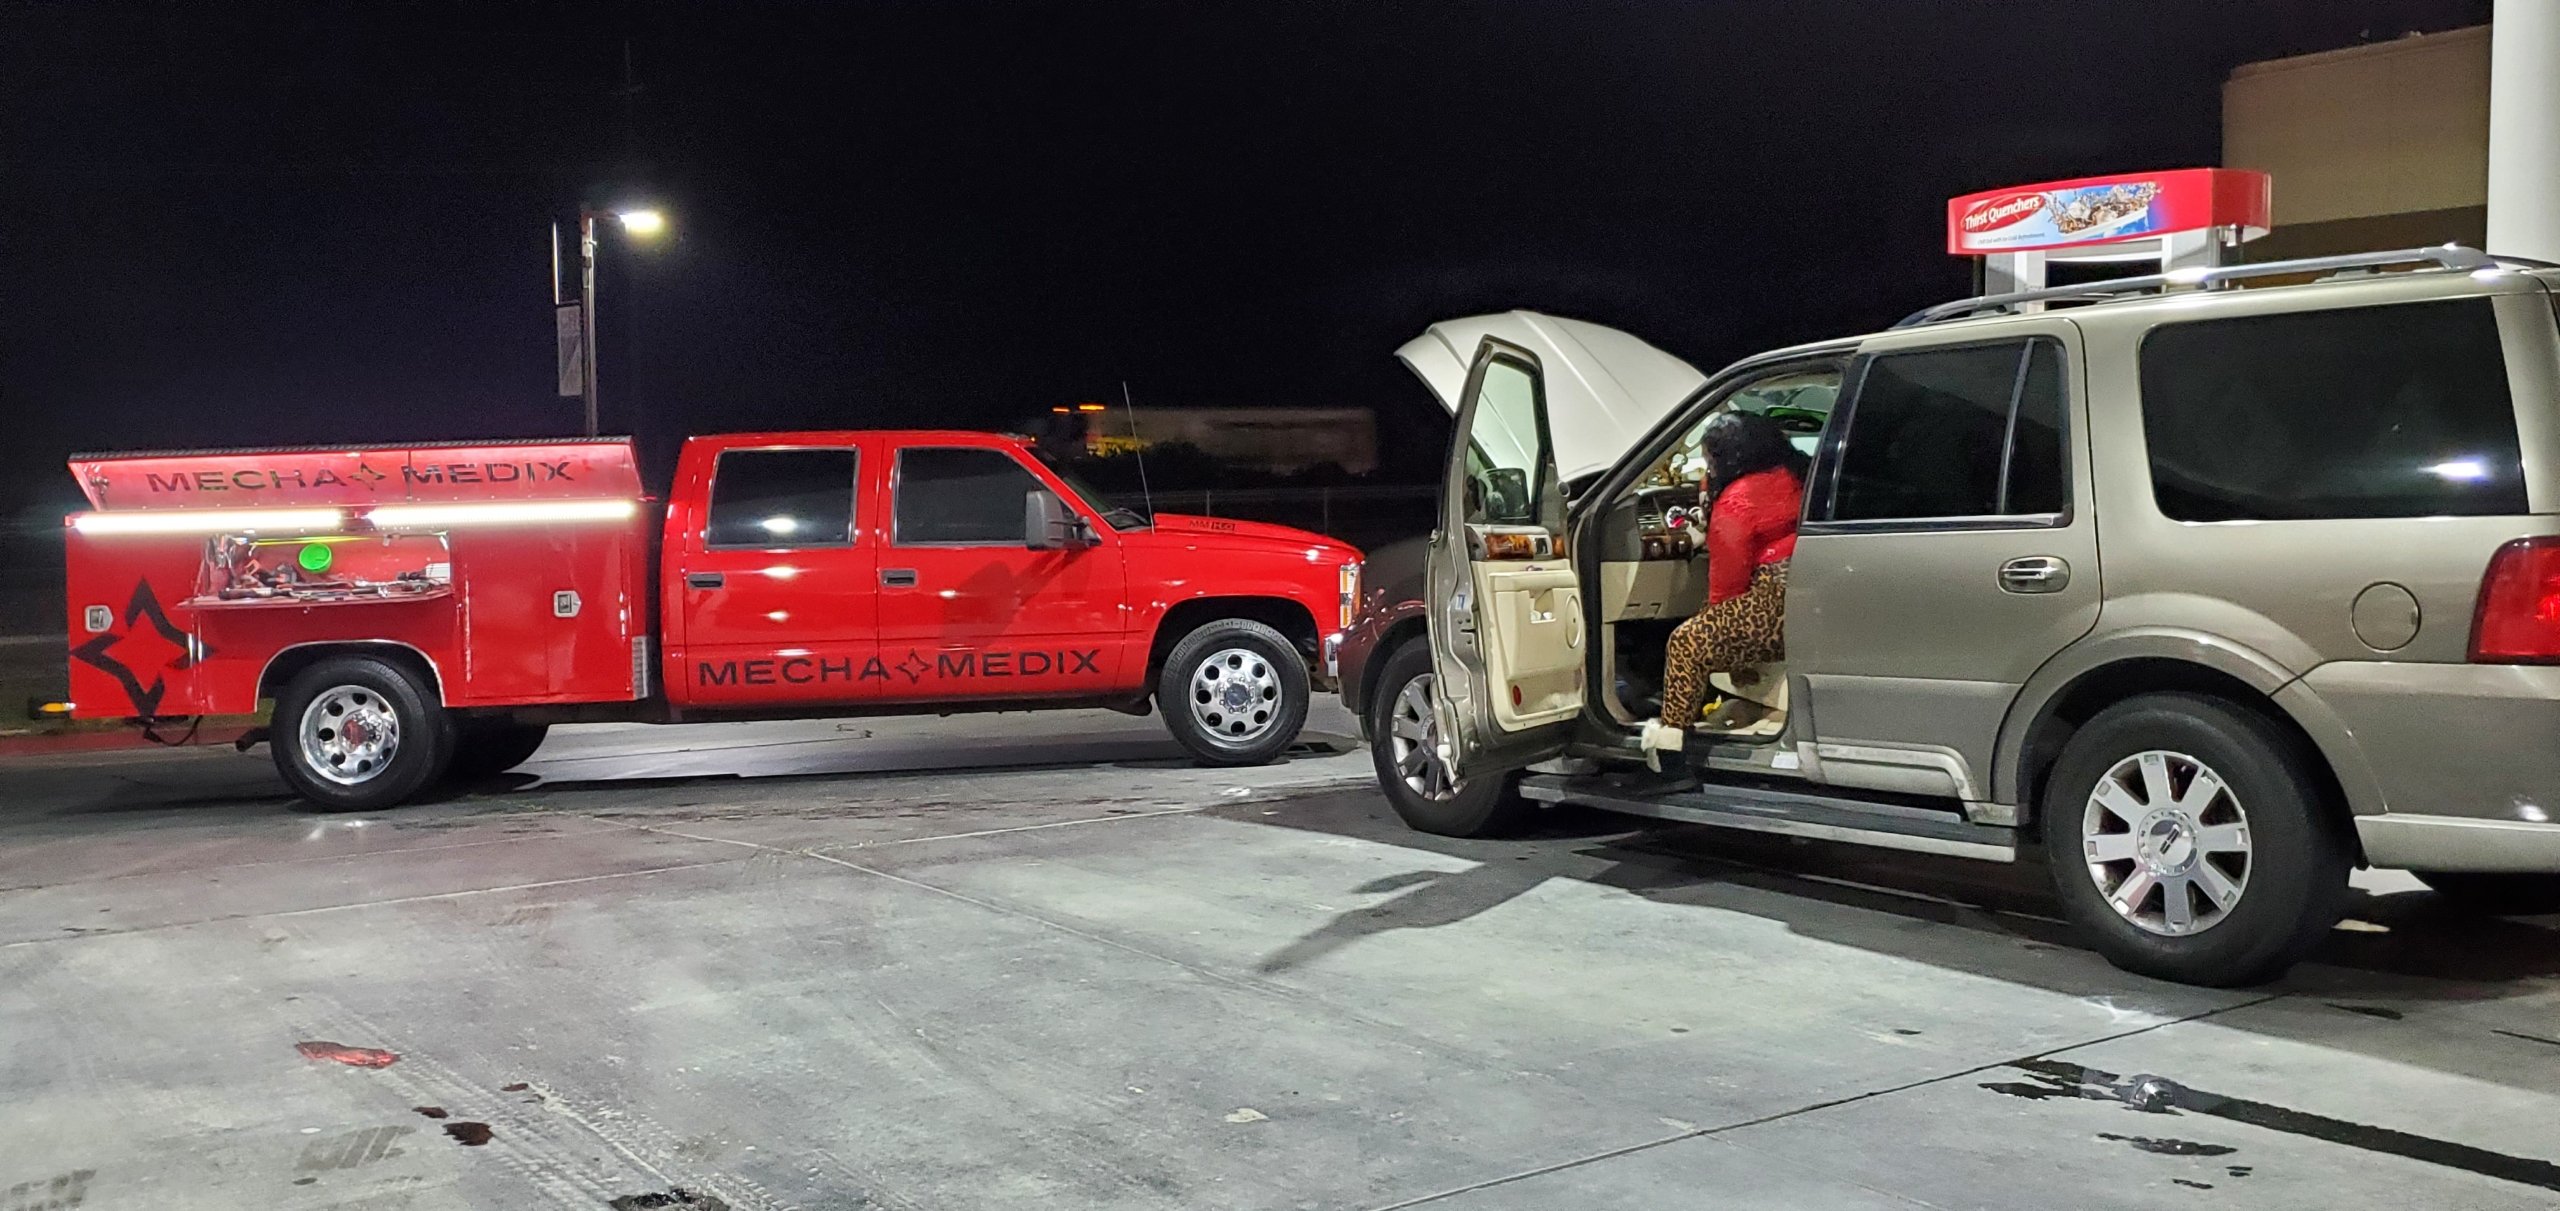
[(1350, 592)]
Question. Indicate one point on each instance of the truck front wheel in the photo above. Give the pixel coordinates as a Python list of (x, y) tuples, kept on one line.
[(356, 733), (1234, 692)]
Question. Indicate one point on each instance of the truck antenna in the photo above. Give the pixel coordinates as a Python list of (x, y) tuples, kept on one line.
[(1138, 446)]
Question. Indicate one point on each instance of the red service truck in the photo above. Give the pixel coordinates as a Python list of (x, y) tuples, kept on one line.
[(420, 612)]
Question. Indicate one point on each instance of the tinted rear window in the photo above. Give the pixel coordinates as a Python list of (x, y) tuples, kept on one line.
[(2398, 411)]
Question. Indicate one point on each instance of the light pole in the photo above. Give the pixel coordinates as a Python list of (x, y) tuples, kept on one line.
[(641, 223)]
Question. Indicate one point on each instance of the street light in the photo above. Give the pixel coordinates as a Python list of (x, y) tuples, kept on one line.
[(643, 223)]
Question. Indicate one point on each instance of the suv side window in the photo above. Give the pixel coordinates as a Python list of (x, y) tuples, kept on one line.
[(781, 498), (960, 496), (1506, 448), (1973, 431), (2391, 411)]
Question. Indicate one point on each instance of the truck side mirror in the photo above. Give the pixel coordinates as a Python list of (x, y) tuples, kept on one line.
[(1047, 525)]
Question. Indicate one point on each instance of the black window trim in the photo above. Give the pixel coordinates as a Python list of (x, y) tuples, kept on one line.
[(1844, 418), (853, 501), (897, 480)]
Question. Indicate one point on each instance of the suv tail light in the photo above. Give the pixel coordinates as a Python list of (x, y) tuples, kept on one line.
[(2518, 621)]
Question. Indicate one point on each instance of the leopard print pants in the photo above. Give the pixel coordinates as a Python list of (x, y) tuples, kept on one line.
[(1731, 635)]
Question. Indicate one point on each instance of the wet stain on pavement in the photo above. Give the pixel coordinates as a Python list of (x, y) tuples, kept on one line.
[(517, 1087), (430, 1111), (2238, 1170), (2051, 1080), (62, 1190), (2192, 1185), (469, 1134), (2371, 1011), (2167, 1147), (674, 1196), (340, 1053), (1905, 1032)]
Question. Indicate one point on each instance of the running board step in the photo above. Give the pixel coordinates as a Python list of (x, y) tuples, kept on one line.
[(1789, 813)]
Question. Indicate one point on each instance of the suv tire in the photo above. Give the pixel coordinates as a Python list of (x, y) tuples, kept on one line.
[(1400, 726), (400, 741), (1234, 692), (2496, 893), (2278, 881), (486, 747)]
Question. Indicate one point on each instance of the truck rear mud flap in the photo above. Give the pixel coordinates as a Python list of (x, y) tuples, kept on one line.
[(1788, 813)]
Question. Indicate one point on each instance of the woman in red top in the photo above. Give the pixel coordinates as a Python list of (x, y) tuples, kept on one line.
[(1752, 496)]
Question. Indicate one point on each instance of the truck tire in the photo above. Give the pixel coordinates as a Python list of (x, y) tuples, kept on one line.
[(1234, 692), (357, 733), (486, 747), (2496, 893), (2189, 838), (1403, 738)]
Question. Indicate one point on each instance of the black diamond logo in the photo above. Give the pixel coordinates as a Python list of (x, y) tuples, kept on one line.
[(99, 653), (913, 666)]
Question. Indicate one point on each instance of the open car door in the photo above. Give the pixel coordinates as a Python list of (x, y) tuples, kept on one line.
[(1505, 610)]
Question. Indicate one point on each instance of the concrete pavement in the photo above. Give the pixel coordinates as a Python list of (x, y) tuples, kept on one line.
[(1042, 961)]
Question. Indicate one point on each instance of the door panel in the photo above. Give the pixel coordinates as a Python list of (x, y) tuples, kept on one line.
[(777, 589), (967, 610), (1533, 623), (1945, 559), (1505, 609)]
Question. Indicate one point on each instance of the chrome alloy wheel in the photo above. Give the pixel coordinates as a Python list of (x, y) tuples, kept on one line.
[(349, 735), (1413, 739), (1235, 695), (2167, 843)]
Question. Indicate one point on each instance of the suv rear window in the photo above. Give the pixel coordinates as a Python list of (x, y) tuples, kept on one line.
[(2396, 411)]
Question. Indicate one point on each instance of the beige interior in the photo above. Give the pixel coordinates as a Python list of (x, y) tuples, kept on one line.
[(1652, 588), (1532, 619)]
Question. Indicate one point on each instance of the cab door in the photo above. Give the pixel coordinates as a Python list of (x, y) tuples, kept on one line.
[(1948, 551), (1505, 610), (778, 593), (968, 609)]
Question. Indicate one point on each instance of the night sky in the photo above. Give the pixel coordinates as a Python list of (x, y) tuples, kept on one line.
[(229, 224)]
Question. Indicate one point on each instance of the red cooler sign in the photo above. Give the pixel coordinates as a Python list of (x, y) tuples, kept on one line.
[(2105, 210)]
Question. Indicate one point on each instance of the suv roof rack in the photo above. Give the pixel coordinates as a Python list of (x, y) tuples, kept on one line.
[(2445, 257)]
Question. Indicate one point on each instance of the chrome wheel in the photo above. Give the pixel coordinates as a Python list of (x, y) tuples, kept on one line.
[(2167, 843), (1235, 695), (1413, 739), (349, 735)]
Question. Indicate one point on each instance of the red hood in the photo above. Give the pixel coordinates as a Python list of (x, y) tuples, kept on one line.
[(1225, 532)]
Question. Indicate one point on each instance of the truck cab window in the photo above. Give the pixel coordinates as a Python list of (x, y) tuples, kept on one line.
[(782, 498), (960, 495)]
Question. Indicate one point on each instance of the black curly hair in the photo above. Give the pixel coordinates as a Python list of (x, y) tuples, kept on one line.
[(1739, 443)]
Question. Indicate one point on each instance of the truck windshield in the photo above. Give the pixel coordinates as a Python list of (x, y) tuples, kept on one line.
[(1120, 517)]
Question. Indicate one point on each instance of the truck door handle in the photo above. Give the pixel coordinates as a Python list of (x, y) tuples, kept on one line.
[(898, 578), (705, 580), (2034, 574)]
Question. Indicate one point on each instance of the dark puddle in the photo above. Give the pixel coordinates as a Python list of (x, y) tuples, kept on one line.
[(469, 1135), (2371, 1011), (2192, 1185), (2163, 1147), (2057, 1080), (675, 1196), (518, 1087), (430, 1111)]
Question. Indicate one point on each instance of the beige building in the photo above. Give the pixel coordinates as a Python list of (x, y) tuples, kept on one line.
[(1271, 439), (2378, 146)]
